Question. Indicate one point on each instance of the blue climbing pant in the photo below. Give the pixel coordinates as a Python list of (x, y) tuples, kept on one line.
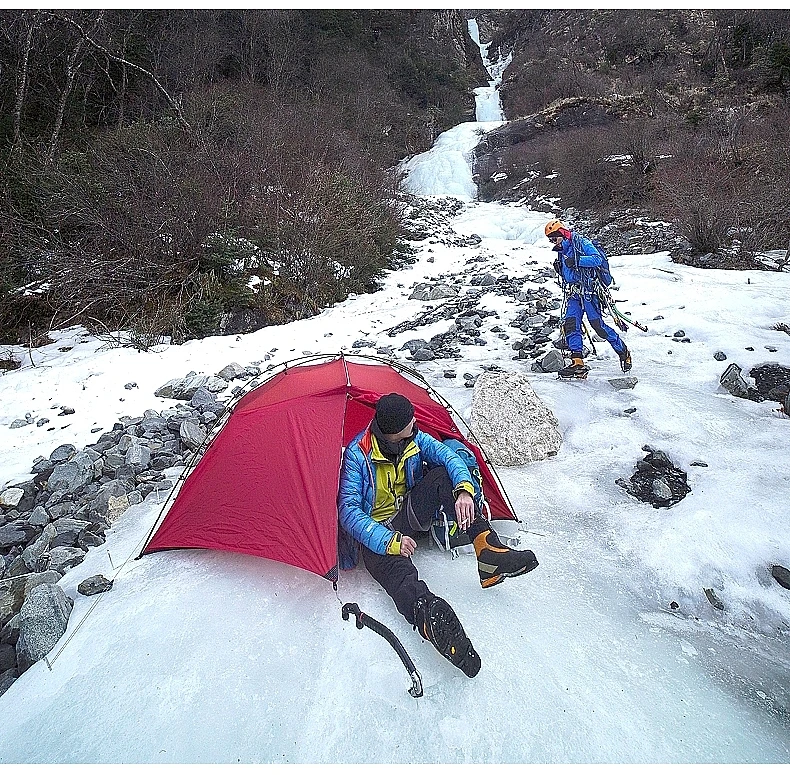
[(591, 306)]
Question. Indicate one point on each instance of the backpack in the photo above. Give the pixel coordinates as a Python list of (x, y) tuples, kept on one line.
[(604, 273), (470, 461)]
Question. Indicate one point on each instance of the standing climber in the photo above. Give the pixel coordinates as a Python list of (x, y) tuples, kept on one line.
[(583, 268)]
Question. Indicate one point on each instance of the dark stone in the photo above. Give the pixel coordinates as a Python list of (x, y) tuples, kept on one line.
[(656, 480), (94, 585), (781, 575)]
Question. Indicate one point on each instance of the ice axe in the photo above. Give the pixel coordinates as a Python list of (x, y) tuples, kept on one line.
[(363, 620)]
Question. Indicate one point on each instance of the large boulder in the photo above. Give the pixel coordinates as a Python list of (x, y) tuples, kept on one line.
[(42, 622), (511, 422)]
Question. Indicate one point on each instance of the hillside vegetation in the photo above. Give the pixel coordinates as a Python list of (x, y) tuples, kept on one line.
[(180, 173), (673, 114), (183, 172)]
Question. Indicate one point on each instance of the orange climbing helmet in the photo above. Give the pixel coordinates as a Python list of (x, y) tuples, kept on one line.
[(554, 227)]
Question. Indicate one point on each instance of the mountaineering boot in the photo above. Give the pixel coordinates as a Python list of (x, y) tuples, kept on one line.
[(437, 622), (576, 369), (496, 562), (625, 360), (447, 535)]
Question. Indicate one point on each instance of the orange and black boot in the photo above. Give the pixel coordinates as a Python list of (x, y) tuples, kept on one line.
[(625, 360), (576, 370), (496, 562), (437, 622)]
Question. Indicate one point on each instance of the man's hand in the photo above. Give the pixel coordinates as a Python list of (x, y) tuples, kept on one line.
[(464, 510), (407, 546), (572, 262), (558, 265)]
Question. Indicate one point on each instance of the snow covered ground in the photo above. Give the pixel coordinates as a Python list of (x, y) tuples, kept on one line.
[(208, 657)]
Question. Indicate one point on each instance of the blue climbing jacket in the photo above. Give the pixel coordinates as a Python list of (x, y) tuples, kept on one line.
[(582, 262), (357, 489)]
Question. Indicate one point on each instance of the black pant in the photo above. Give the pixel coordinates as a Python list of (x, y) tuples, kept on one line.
[(397, 574)]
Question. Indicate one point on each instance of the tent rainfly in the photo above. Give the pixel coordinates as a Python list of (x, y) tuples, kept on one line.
[(267, 483)]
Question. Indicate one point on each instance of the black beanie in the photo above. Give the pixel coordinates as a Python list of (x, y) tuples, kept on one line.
[(393, 413)]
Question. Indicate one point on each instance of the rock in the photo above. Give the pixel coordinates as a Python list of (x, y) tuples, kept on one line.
[(661, 490), (18, 424), (63, 453), (42, 622), (713, 600), (428, 292), (64, 558), (38, 517), (16, 533), (720, 356), (94, 585), (513, 425), (10, 498), (192, 435), (424, 354), (552, 361), (202, 398), (781, 575), (656, 480), (624, 383), (7, 657), (65, 410), (7, 679), (138, 456), (70, 476), (231, 371), (733, 382)]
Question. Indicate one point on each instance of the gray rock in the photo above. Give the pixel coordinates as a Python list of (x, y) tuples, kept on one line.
[(94, 585), (513, 425), (104, 502), (781, 575), (36, 555), (713, 599), (42, 465), (66, 531), (7, 657), (216, 384), (16, 533), (414, 344), (138, 456), (9, 632), (720, 356), (624, 383), (70, 476), (202, 398), (7, 679), (230, 372), (661, 490), (18, 424), (10, 498), (192, 435), (429, 292), (34, 579), (38, 517), (732, 381), (64, 558), (63, 453), (552, 361), (424, 354), (42, 622)]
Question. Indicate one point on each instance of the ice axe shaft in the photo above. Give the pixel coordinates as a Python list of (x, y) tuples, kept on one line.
[(363, 620)]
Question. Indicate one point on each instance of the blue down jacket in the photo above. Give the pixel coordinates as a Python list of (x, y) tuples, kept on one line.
[(357, 486), (579, 263)]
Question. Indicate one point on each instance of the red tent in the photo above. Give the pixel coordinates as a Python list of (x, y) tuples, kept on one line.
[(267, 484)]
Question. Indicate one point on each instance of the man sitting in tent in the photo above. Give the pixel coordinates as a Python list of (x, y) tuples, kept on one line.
[(386, 497)]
